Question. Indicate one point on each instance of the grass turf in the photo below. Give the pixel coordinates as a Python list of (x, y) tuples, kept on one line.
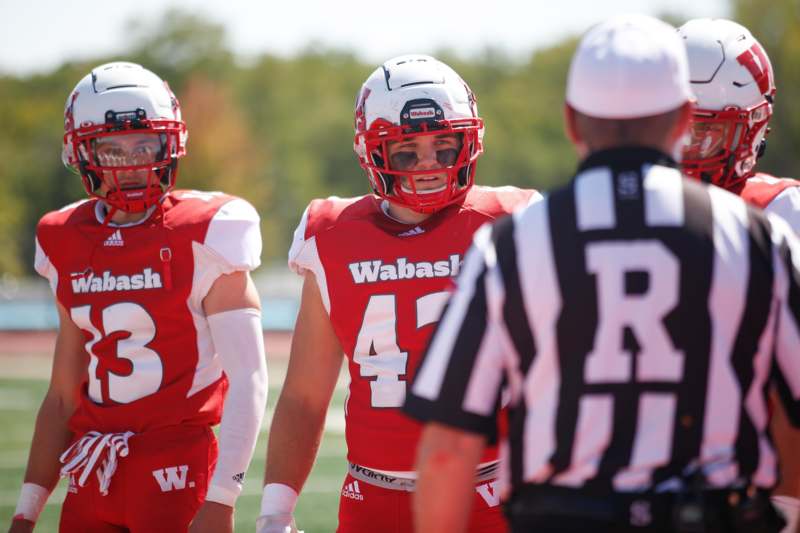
[(316, 511)]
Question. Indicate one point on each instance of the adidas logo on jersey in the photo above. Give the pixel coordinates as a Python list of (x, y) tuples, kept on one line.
[(115, 239), (377, 270), (413, 231), (351, 490), (83, 283)]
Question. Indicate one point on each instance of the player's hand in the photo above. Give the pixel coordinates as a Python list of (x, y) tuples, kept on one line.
[(276, 523), (21, 526), (213, 517)]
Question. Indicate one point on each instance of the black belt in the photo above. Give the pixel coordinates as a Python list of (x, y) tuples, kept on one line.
[(543, 508)]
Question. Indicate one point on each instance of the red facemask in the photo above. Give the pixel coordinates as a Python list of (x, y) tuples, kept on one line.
[(387, 172), (725, 144), (129, 165)]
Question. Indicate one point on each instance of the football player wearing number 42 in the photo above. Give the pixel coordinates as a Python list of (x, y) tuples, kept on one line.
[(376, 270), (159, 326)]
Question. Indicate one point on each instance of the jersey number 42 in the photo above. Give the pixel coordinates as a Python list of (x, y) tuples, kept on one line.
[(377, 352)]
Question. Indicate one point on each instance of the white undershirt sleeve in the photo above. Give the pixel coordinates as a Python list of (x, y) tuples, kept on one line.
[(239, 343), (787, 206), (44, 267)]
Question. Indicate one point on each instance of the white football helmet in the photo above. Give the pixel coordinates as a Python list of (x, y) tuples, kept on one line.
[(124, 103), (733, 82), (409, 96)]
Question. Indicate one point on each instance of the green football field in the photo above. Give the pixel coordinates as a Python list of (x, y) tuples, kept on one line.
[(20, 396)]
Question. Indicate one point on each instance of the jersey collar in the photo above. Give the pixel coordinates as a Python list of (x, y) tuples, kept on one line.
[(381, 218), (627, 157), (101, 210)]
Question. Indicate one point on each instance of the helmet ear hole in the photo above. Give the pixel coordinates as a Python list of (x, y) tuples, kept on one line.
[(166, 173), (464, 172), (462, 175), (386, 180), (762, 147), (95, 180), (92, 179), (377, 159)]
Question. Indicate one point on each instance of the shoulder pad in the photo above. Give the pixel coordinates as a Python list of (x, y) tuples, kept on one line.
[(322, 214), (234, 234), (499, 201)]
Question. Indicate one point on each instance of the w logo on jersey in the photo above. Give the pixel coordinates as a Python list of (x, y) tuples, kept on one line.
[(490, 493), (172, 478)]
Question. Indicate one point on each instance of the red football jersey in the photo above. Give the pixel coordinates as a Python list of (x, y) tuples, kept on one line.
[(774, 195), (136, 292), (384, 285)]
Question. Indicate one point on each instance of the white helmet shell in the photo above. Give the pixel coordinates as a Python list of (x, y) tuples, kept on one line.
[(734, 85), (118, 87), (115, 99), (413, 95), (727, 66), (414, 77)]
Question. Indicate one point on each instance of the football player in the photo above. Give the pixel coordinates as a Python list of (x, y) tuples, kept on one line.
[(159, 326), (734, 85), (376, 274)]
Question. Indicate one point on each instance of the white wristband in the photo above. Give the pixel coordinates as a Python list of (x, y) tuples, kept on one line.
[(31, 501), (278, 498), (223, 495)]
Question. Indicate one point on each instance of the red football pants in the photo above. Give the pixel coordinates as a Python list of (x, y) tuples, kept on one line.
[(365, 508), (158, 487)]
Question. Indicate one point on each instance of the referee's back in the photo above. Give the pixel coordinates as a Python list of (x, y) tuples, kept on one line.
[(637, 320), (644, 310)]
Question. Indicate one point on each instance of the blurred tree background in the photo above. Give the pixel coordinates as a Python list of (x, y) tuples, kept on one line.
[(278, 131)]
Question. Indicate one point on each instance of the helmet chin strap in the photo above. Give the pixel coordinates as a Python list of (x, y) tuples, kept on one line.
[(120, 200), (112, 209), (109, 214), (134, 200)]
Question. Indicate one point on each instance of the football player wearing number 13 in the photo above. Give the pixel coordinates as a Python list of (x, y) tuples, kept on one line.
[(159, 326), (376, 270)]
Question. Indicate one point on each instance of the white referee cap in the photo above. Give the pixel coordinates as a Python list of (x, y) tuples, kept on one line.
[(629, 66)]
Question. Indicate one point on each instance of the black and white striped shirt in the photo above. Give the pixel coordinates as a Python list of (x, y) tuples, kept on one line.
[(636, 320)]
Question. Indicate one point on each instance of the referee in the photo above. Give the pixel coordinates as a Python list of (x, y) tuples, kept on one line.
[(634, 321)]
